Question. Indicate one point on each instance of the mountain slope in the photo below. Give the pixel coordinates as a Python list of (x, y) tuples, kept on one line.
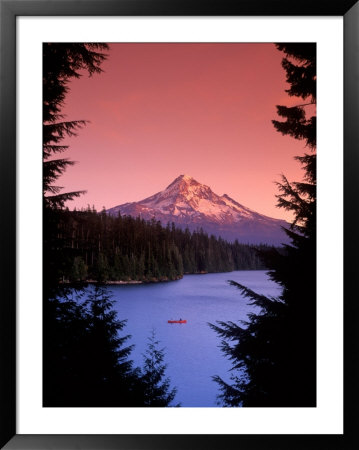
[(190, 204)]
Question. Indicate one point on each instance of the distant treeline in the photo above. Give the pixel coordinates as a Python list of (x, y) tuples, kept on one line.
[(100, 247)]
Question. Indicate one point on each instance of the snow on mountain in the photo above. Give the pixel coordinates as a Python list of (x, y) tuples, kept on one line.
[(188, 203)]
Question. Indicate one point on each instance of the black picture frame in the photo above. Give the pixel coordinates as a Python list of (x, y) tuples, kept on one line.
[(9, 10)]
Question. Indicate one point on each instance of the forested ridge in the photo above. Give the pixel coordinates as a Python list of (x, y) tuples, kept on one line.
[(97, 246)]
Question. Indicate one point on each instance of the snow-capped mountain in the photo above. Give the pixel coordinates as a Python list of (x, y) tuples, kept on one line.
[(190, 204)]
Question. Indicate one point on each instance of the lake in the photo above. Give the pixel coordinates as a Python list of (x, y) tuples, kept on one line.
[(192, 352)]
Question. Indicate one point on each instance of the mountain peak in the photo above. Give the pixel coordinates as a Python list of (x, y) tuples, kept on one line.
[(186, 177), (189, 203), (183, 179)]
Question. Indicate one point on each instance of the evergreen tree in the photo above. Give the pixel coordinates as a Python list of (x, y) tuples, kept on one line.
[(61, 63), (79, 269), (274, 352), (87, 361), (157, 391), (110, 378), (102, 268)]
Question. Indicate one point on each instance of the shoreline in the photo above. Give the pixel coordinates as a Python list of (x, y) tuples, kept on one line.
[(121, 282), (153, 280)]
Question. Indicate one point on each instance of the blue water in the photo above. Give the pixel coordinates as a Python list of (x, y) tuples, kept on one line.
[(192, 352)]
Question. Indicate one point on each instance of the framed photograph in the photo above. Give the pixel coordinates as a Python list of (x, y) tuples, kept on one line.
[(182, 283)]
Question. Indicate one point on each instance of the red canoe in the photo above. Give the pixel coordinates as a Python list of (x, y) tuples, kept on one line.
[(177, 321)]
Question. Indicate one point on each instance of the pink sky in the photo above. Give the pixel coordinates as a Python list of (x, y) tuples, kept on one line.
[(161, 110)]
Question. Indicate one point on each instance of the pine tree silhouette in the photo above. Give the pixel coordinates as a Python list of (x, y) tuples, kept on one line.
[(274, 352)]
